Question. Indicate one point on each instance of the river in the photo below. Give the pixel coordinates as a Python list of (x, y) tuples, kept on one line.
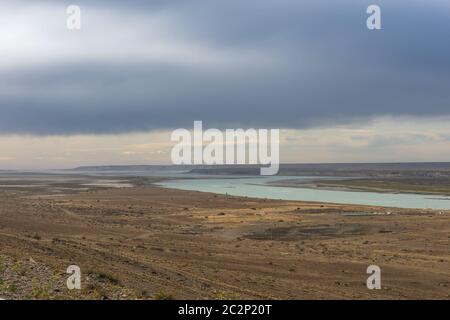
[(257, 187)]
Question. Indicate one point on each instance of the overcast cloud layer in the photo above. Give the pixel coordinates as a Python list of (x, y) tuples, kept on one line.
[(144, 65)]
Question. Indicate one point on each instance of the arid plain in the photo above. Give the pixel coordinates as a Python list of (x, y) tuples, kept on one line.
[(142, 241)]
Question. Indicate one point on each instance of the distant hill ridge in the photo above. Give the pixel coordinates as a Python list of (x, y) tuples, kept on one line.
[(346, 169), (120, 168), (334, 169)]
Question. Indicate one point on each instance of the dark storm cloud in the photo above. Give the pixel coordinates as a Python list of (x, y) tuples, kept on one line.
[(325, 68)]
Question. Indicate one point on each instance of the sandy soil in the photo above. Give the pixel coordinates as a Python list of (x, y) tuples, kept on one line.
[(147, 242)]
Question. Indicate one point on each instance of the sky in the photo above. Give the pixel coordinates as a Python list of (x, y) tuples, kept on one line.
[(112, 92)]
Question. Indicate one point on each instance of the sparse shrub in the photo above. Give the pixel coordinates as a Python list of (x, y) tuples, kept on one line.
[(144, 294), (104, 277), (40, 292), (36, 236), (164, 296), (223, 295)]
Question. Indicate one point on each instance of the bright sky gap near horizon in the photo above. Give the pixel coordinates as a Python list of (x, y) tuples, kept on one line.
[(112, 92)]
